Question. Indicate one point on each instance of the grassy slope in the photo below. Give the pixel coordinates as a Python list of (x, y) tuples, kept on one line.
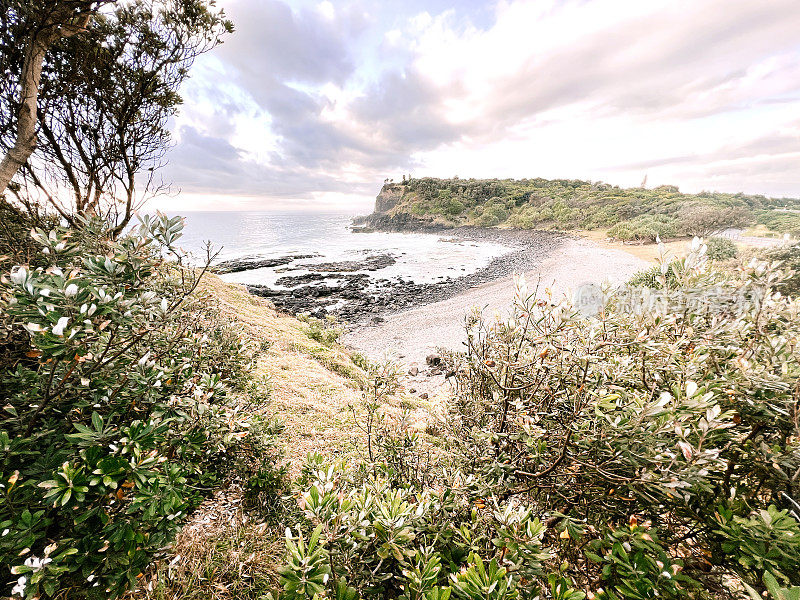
[(225, 551), (312, 384), (568, 204)]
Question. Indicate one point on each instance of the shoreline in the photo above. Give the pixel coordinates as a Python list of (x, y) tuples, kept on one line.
[(364, 299), (409, 337)]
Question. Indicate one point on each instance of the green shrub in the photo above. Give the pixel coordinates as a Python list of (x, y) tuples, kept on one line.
[(703, 220), (721, 248), (379, 542), (656, 279), (634, 560), (648, 451), (780, 221), (115, 421), (676, 408), (454, 207), (788, 256), (492, 215), (644, 227), (325, 331)]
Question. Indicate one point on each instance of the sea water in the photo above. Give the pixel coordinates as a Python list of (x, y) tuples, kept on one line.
[(420, 257)]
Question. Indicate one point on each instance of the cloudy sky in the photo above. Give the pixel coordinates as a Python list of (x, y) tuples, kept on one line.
[(312, 104)]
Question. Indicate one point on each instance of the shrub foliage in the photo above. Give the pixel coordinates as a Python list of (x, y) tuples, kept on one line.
[(720, 248), (114, 420), (646, 451)]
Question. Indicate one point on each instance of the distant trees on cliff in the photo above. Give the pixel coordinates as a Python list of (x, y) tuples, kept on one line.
[(635, 213)]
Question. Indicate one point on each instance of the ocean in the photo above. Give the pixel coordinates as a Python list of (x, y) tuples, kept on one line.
[(419, 257)]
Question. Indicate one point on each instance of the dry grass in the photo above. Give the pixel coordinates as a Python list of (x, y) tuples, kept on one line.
[(645, 251), (312, 384), (221, 553)]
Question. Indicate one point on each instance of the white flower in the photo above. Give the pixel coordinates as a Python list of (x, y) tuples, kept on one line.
[(37, 563), (164, 305), (19, 589), (58, 328), (44, 292), (33, 327), (19, 275), (71, 290)]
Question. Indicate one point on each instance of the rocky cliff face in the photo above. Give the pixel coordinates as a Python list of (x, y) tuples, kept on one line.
[(389, 196)]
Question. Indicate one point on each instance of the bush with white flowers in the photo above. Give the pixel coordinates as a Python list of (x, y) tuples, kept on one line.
[(650, 449), (114, 420)]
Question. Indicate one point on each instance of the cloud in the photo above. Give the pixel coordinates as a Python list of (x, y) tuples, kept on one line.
[(321, 97), (205, 164)]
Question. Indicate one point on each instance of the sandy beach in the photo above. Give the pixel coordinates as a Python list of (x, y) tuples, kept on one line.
[(409, 336)]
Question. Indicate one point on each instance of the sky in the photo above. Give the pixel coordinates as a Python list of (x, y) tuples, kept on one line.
[(311, 105)]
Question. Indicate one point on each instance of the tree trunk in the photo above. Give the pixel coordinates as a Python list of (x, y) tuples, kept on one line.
[(25, 143), (37, 45)]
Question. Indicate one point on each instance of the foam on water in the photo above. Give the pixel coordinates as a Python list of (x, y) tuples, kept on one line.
[(421, 257)]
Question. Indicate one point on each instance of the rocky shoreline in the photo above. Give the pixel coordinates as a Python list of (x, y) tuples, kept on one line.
[(344, 290)]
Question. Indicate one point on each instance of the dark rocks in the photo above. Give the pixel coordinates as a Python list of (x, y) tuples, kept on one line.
[(249, 263), (413, 371), (333, 288), (295, 280), (370, 263), (424, 396), (433, 360)]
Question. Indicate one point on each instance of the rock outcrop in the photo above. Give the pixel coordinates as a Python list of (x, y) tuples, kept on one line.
[(389, 196)]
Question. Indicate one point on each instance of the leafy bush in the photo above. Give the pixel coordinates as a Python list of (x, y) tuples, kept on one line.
[(780, 221), (325, 331), (654, 278), (788, 256), (644, 227), (115, 421), (697, 378), (454, 207), (648, 451), (720, 248), (492, 215), (372, 541), (703, 220)]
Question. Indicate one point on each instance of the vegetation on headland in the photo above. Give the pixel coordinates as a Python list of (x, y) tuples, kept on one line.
[(628, 213)]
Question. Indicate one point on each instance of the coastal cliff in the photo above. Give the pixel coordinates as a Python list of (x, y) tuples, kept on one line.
[(566, 204), (390, 196)]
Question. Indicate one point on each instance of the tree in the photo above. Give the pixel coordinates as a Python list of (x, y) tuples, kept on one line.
[(30, 28), (106, 98), (703, 221)]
